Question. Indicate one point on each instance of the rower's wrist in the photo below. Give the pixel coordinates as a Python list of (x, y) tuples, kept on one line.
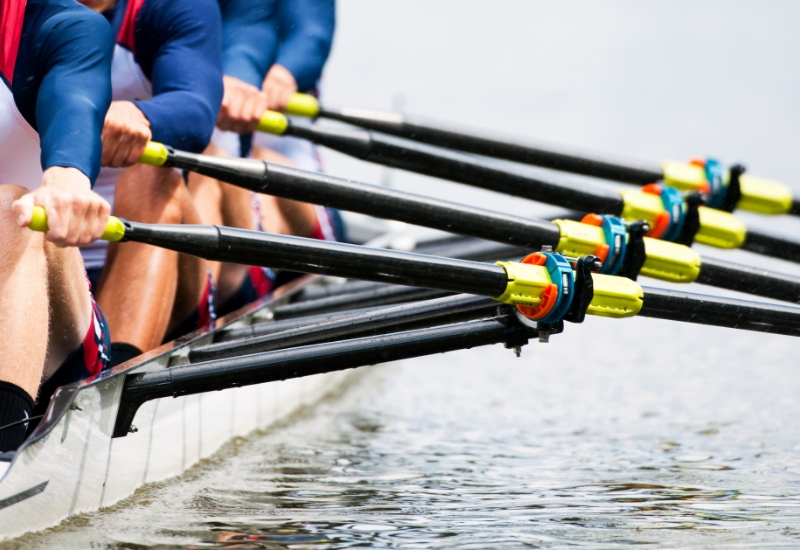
[(66, 178)]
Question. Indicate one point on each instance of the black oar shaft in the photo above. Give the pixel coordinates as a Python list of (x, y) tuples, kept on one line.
[(268, 327), (772, 245), (749, 279), (430, 312), (324, 258), (290, 183), (384, 296), (511, 230), (439, 163), (527, 152), (309, 360), (477, 172), (719, 311)]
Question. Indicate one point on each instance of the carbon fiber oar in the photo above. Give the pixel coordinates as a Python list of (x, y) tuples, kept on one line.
[(544, 288), (714, 227), (749, 193), (660, 259)]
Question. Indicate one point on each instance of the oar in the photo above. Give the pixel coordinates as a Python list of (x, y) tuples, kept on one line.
[(313, 359), (543, 288), (754, 194), (662, 259), (715, 227)]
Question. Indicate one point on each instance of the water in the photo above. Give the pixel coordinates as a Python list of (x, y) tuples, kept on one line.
[(577, 443), (617, 433)]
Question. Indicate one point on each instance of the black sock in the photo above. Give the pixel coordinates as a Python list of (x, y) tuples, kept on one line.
[(121, 352), (15, 405)]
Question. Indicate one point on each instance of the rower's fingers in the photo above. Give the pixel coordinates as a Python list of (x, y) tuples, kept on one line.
[(99, 216), (112, 140), (23, 209), (59, 216), (135, 151)]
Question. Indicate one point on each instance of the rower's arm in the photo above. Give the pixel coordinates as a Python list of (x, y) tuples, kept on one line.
[(72, 53), (185, 68), (306, 34), (249, 38)]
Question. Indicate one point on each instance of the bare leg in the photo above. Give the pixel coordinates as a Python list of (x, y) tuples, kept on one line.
[(29, 303), (139, 285), (192, 274), (219, 203), (289, 217)]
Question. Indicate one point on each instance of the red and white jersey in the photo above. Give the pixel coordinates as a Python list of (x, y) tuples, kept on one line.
[(128, 83), (20, 152)]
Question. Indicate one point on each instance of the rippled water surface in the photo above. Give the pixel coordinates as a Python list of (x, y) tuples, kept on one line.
[(616, 433), (563, 447)]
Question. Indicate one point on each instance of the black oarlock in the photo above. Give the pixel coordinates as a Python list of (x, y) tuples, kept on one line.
[(310, 360)]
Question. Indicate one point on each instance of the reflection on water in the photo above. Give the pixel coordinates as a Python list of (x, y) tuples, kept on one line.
[(482, 450)]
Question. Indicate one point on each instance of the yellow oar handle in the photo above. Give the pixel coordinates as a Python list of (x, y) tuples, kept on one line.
[(303, 105), (273, 122), (155, 154), (114, 232)]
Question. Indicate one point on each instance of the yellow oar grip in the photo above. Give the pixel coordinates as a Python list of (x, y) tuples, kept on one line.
[(155, 154), (273, 122), (303, 105), (114, 232)]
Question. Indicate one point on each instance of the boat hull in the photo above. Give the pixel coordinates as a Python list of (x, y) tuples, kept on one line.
[(72, 465)]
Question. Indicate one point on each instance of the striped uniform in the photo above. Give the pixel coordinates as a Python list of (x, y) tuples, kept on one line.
[(54, 61), (167, 62)]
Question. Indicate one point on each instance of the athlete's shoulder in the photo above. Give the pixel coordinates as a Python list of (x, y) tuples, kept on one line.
[(59, 22), (42, 12), (177, 13)]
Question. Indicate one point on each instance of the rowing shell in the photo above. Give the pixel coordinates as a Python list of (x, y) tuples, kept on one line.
[(71, 464)]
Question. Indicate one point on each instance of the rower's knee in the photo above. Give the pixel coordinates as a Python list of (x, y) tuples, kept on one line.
[(150, 194)]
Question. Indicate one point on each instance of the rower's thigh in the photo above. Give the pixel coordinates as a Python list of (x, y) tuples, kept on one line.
[(41, 286), (150, 194), (70, 303)]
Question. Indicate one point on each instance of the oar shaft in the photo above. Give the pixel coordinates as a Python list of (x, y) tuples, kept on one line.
[(387, 295), (482, 143), (511, 230), (439, 163), (722, 312), (291, 183), (772, 245), (441, 311), (324, 258), (309, 360)]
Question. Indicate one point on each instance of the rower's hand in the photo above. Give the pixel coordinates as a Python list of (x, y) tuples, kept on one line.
[(125, 135), (76, 215), (242, 106), (280, 86)]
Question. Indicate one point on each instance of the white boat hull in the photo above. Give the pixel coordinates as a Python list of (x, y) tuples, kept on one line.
[(76, 466)]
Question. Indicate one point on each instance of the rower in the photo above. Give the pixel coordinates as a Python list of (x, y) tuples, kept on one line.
[(55, 57), (303, 37), (264, 43), (166, 85)]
